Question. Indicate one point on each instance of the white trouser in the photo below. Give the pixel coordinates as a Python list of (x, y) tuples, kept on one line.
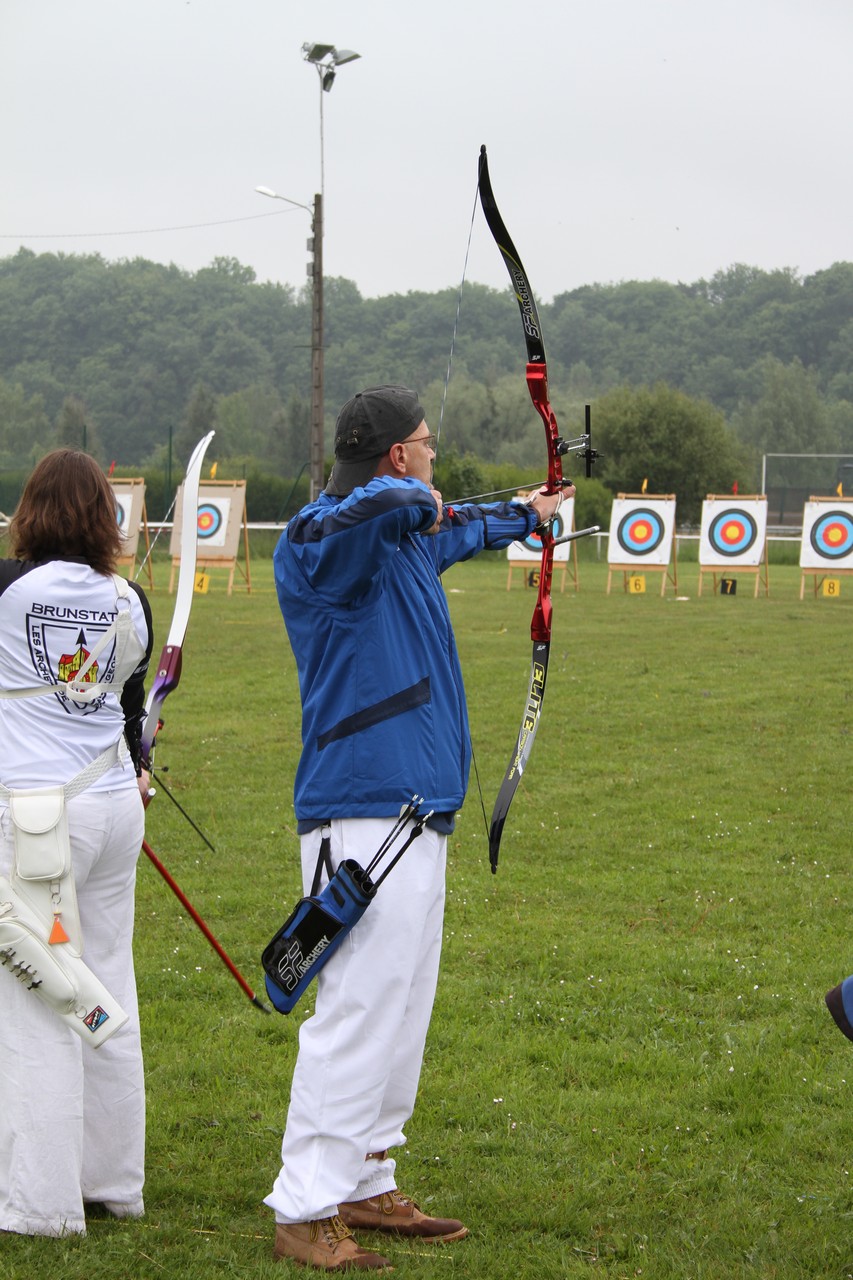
[(360, 1054), (72, 1118)]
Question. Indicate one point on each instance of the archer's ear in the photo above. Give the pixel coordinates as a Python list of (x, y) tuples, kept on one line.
[(397, 460)]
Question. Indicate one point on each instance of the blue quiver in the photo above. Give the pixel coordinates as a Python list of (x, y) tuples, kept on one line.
[(313, 932)]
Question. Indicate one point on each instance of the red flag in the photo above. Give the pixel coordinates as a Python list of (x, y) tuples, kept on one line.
[(112, 467), (734, 487)]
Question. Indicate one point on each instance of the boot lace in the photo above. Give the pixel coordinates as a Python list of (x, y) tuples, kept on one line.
[(335, 1230)]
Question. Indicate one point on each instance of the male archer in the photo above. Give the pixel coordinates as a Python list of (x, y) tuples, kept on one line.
[(383, 715)]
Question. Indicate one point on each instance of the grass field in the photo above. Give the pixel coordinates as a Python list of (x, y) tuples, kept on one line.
[(630, 1071)]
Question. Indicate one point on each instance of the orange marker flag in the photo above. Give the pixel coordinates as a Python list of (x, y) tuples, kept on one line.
[(57, 933), (840, 489), (213, 470), (644, 485)]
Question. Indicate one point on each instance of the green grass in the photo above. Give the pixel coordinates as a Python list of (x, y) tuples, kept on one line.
[(630, 1071)]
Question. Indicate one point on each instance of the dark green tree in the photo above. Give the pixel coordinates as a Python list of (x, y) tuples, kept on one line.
[(24, 425), (74, 428), (788, 417), (674, 444), (199, 418)]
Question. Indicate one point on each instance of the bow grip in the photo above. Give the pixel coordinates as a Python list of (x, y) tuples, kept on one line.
[(168, 669)]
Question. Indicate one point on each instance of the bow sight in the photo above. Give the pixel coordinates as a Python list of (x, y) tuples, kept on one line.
[(581, 444)]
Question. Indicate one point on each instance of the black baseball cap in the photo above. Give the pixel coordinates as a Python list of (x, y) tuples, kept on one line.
[(367, 426)]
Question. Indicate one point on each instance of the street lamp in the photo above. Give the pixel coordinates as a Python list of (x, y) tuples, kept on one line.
[(326, 58)]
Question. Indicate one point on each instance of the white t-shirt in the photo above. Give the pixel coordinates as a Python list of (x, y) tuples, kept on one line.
[(51, 617)]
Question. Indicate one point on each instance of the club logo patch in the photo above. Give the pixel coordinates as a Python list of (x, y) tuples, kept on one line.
[(95, 1018), (60, 641)]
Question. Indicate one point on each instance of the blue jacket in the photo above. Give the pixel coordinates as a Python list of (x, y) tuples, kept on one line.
[(383, 704)]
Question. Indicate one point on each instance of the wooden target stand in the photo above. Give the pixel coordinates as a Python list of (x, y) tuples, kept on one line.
[(726, 573), (129, 562), (530, 573), (630, 572), (229, 562), (821, 578), (761, 573), (818, 576), (531, 566)]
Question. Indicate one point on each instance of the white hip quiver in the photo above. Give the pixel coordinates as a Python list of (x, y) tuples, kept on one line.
[(41, 942)]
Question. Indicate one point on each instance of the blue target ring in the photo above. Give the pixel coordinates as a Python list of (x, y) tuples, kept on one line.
[(640, 532), (732, 532), (534, 543), (832, 535), (209, 520)]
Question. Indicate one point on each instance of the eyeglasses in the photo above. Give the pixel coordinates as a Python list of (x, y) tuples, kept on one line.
[(429, 441)]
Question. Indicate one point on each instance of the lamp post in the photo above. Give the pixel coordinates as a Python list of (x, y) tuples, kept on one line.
[(315, 270), (326, 58)]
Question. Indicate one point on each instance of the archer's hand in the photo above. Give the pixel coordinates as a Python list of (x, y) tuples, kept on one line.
[(546, 505), (436, 496)]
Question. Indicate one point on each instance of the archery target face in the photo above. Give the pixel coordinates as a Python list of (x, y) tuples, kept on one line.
[(219, 519), (642, 530), (732, 533), (530, 548), (827, 535), (212, 522), (123, 505), (123, 512), (533, 542)]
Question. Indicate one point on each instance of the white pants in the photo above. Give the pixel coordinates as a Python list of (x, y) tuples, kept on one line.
[(360, 1054), (72, 1118)]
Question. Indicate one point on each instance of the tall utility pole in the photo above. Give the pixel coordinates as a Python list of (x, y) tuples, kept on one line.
[(326, 58), (317, 451)]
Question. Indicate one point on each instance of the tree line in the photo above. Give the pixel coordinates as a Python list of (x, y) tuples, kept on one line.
[(690, 383)]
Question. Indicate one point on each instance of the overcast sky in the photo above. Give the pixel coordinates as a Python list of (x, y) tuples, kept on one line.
[(666, 139)]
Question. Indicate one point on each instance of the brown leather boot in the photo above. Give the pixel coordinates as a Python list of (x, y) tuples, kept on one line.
[(392, 1211), (325, 1243)]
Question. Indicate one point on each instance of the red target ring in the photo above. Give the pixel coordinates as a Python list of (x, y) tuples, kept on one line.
[(732, 532), (641, 531), (832, 535), (209, 520)]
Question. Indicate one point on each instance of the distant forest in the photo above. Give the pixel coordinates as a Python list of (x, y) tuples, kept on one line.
[(134, 359)]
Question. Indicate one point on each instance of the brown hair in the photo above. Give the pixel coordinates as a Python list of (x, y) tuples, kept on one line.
[(68, 508)]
